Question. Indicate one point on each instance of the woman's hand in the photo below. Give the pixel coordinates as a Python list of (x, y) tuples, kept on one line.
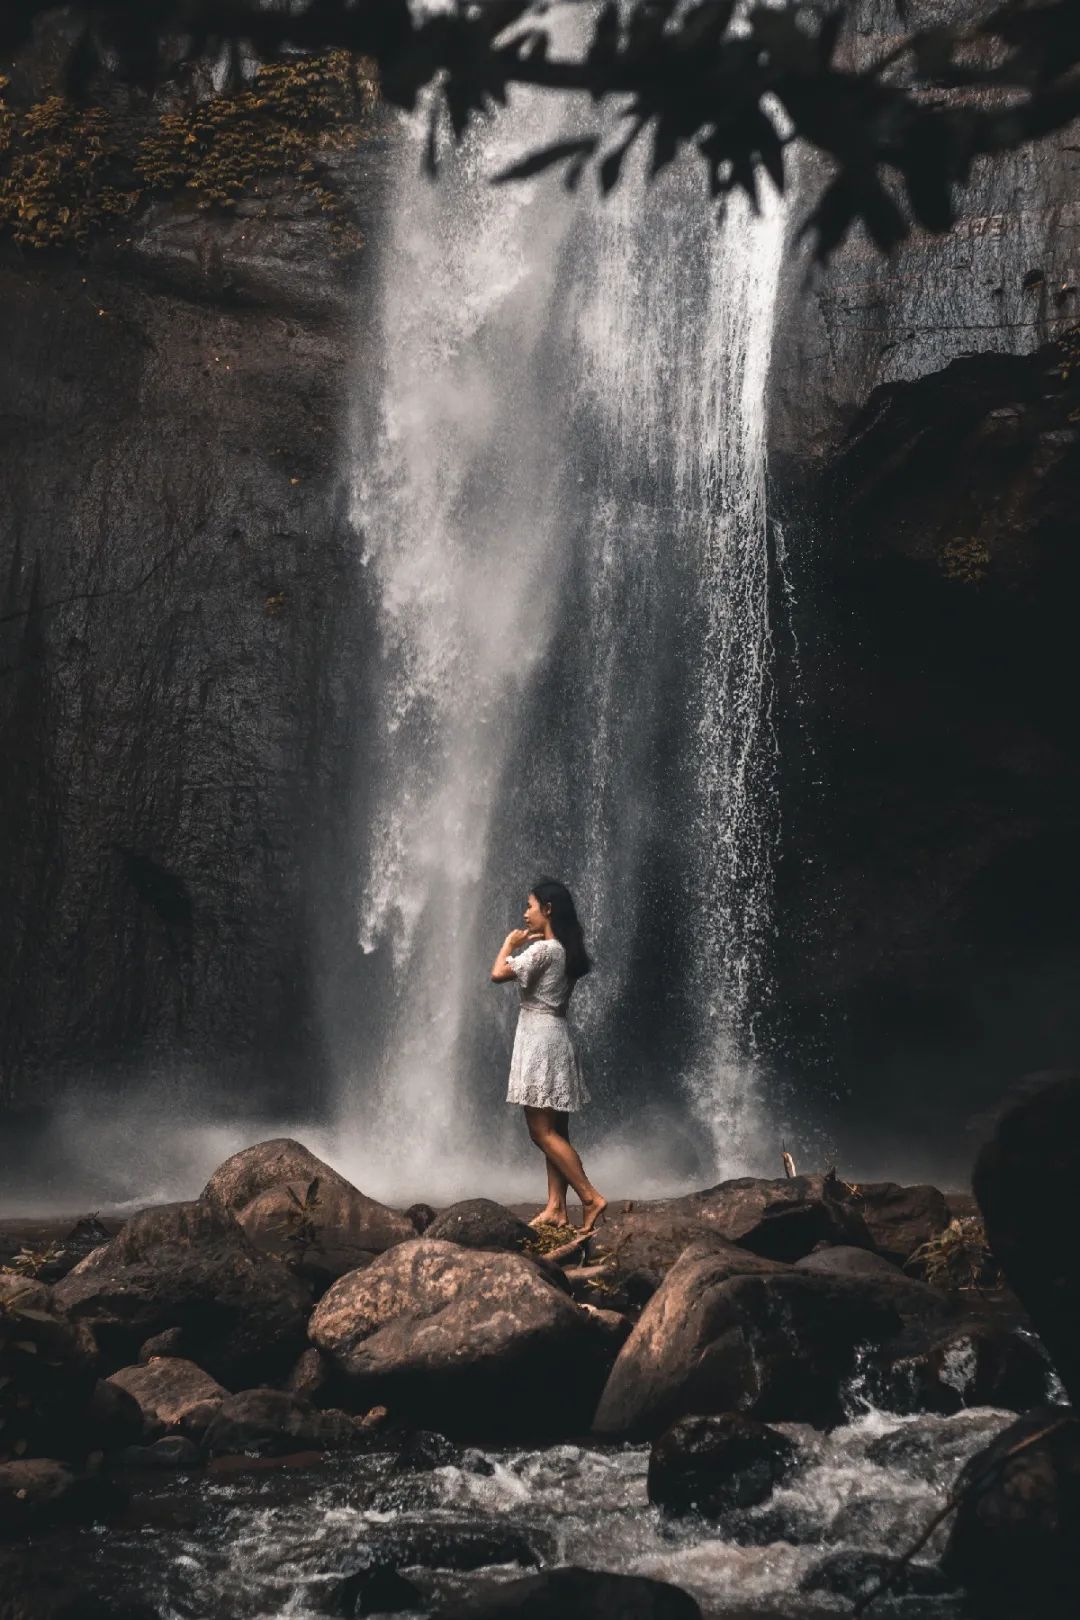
[(501, 970)]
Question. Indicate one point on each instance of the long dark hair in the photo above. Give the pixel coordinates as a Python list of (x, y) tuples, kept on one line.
[(564, 924)]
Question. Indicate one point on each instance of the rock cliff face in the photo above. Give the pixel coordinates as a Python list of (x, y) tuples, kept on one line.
[(925, 459), (1006, 279), (182, 637)]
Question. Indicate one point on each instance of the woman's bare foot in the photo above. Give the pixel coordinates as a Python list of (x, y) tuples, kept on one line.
[(592, 1213), (550, 1217)]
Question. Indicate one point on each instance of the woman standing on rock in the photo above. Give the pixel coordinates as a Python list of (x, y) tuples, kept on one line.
[(545, 1077)]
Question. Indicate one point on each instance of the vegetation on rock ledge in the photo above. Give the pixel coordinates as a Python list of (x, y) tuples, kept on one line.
[(70, 170)]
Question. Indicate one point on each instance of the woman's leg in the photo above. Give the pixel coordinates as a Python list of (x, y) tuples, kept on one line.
[(559, 1153), (554, 1211)]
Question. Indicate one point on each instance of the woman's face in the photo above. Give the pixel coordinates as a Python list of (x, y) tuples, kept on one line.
[(534, 915)]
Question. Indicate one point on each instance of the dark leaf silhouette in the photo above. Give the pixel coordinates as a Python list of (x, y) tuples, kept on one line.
[(732, 87), (547, 157)]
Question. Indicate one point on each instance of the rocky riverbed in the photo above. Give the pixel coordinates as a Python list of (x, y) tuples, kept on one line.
[(283, 1397)]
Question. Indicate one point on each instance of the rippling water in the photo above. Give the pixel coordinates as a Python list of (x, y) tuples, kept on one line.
[(279, 1544)]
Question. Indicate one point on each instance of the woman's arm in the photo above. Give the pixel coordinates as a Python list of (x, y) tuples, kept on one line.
[(500, 968)]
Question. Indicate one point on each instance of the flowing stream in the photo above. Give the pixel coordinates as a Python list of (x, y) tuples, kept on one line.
[(261, 1546), (560, 503)]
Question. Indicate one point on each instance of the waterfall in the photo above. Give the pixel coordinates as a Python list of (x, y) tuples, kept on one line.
[(560, 503)]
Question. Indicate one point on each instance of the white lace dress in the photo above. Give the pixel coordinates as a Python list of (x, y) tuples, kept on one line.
[(544, 1070)]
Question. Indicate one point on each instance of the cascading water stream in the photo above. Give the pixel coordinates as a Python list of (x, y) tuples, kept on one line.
[(561, 502)]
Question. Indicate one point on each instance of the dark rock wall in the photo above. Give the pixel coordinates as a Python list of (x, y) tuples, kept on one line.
[(926, 466), (181, 647), (867, 320)]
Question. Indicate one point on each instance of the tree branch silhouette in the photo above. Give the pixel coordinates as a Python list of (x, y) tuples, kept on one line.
[(736, 85)]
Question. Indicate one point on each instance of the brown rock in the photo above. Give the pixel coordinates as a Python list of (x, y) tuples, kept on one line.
[(173, 1395), (466, 1341), (778, 1345), (242, 1315), (40, 1493), (169, 1343), (319, 1230), (647, 1241), (842, 1261), (290, 1202), (310, 1375), (250, 1172), (780, 1219), (48, 1370), (480, 1223), (912, 1298), (901, 1219), (272, 1423)]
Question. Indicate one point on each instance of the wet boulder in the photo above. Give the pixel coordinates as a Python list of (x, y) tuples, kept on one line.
[(480, 1223), (916, 1301), (709, 1465), (842, 1260), (964, 1364), (1025, 1180), (614, 1325), (781, 1219), (112, 1419), (173, 1395), (377, 1591), (576, 1594), (855, 1575), (173, 1453), (449, 1544), (244, 1175), (421, 1450), (293, 1205), (471, 1342), (777, 1346), (48, 1372), (1014, 1541), (40, 1493), (726, 1259), (646, 1241), (168, 1343), (272, 1423), (241, 1314), (311, 1377), (901, 1219)]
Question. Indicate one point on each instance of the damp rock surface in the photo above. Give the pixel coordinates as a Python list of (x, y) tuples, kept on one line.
[(468, 1341), (711, 1464), (775, 1346), (242, 1314)]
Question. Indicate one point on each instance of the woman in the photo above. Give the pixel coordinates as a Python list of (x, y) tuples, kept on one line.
[(544, 1074)]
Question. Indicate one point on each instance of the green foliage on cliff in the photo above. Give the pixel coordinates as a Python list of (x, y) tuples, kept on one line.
[(965, 559), (70, 170)]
